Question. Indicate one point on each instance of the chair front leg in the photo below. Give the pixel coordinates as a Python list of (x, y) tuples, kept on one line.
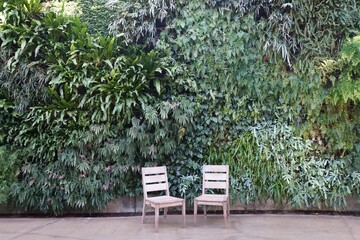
[(144, 212), (157, 218), (225, 212), (228, 207), (184, 213), (195, 211)]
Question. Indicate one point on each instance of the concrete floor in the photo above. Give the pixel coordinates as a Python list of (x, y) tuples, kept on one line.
[(249, 227)]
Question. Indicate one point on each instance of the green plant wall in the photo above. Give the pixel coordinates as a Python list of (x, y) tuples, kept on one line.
[(259, 64), (224, 82)]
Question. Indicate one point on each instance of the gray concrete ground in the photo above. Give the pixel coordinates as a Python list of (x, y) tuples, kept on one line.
[(249, 227)]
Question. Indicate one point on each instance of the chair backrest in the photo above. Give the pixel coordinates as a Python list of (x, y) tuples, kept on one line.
[(216, 177), (154, 179)]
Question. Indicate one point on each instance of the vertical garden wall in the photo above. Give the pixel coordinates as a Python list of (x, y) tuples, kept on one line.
[(271, 88)]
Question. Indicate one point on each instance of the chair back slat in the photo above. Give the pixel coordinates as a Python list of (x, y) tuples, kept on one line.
[(215, 185), (153, 170), (156, 187), (154, 179), (216, 177), (216, 168)]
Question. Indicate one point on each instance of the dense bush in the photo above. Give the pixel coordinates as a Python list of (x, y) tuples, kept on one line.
[(8, 155), (142, 21), (238, 82), (270, 162), (98, 14), (261, 63), (101, 113), (67, 7), (342, 96)]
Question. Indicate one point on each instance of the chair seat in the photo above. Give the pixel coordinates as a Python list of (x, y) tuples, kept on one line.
[(164, 201), (212, 198)]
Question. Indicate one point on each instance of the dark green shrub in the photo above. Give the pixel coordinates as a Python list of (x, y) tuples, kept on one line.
[(108, 110), (222, 76), (66, 7), (98, 15), (142, 21), (339, 119), (271, 162), (254, 65), (7, 173), (8, 155)]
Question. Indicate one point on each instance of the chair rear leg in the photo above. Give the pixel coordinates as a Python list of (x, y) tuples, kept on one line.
[(165, 212)]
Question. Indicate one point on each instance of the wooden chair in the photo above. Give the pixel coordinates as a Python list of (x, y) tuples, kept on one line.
[(155, 179), (214, 177)]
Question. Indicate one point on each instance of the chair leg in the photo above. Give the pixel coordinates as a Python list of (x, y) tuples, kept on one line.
[(184, 213), (143, 212), (195, 211), (225, 212), (228, 207), (165, 212), (157, 218)]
